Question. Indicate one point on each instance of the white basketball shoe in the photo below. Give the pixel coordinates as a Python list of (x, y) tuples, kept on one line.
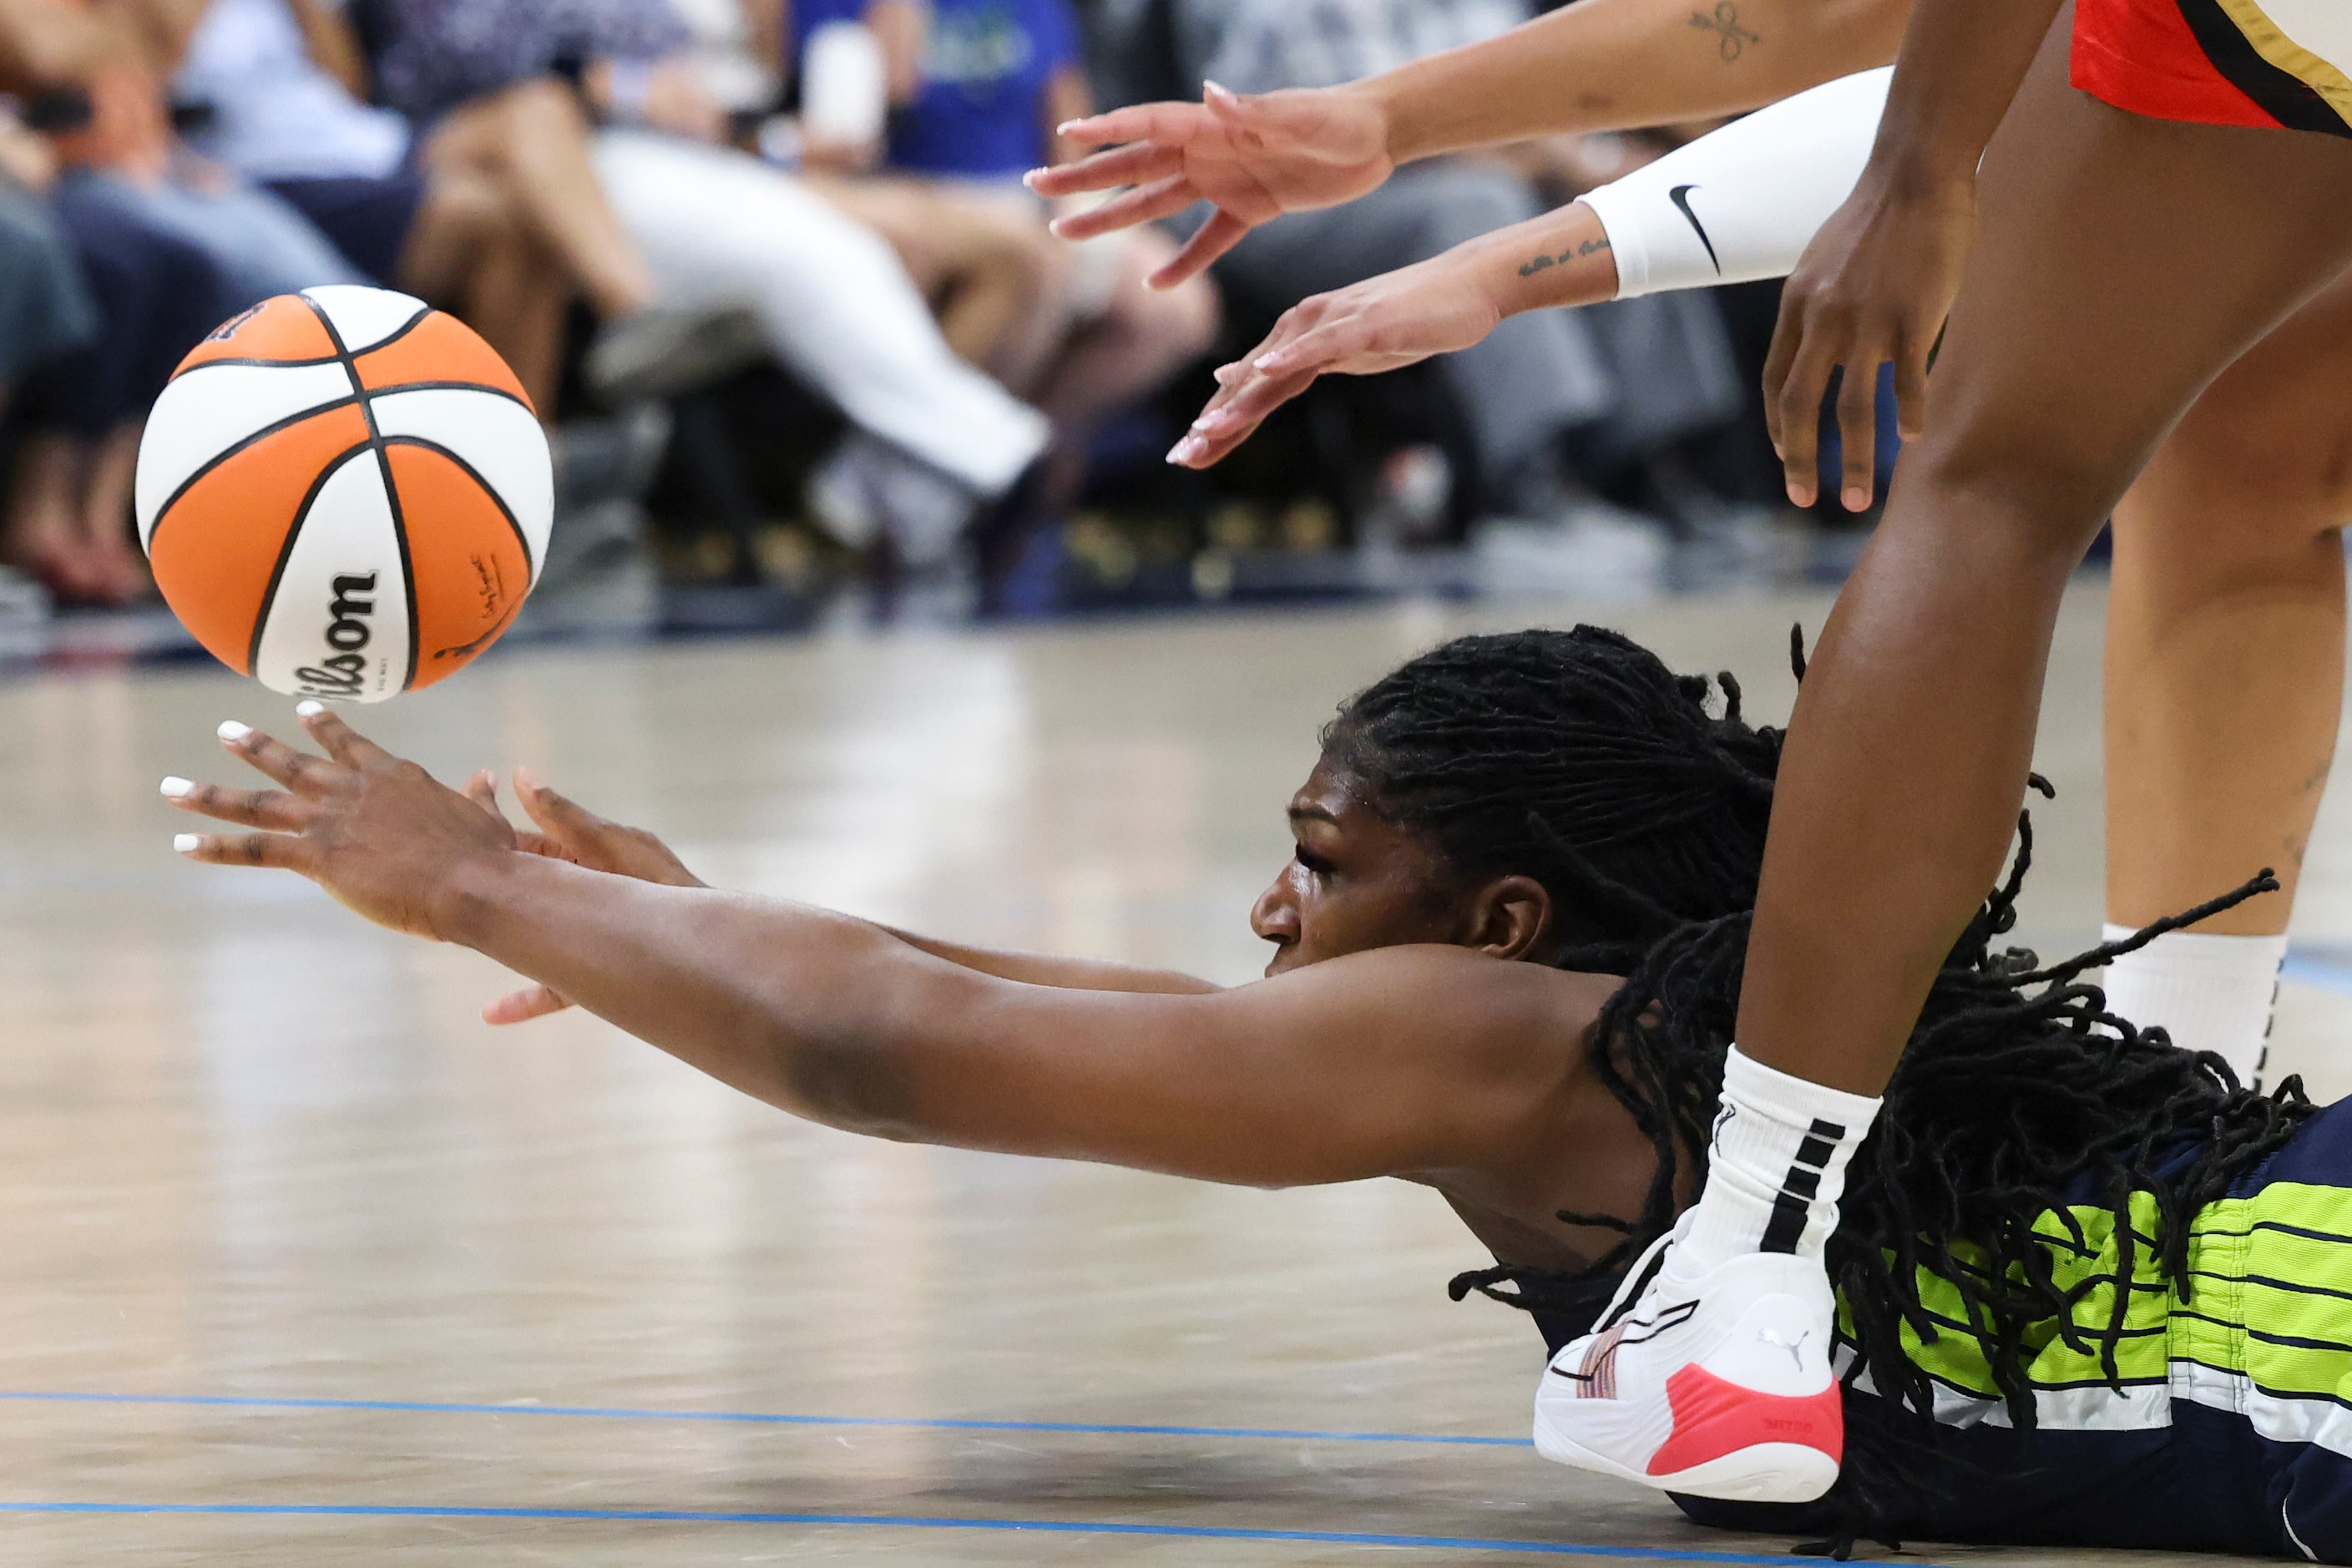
[(1716, 1386)]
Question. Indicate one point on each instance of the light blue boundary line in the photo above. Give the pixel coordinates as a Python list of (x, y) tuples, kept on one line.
[(2328, 965), (748, 1417), (920, 1521)]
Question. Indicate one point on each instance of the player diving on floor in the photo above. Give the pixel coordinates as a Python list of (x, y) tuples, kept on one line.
[(1506, 955)]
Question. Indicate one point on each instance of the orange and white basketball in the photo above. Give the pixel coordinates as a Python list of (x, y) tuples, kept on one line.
[(344, 494)]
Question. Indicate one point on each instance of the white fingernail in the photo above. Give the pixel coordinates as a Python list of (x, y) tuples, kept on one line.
[(230, 729), (185, 843), (176, 788), (308, 710)]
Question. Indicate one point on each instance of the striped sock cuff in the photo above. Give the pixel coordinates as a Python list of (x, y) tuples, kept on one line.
[(1776, 1165)]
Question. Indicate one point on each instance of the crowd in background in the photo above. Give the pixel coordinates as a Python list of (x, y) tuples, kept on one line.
[(778, 251)]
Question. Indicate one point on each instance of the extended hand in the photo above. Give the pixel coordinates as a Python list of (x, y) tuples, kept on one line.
[(1255, 156), (379, 834), (1874, 285), (569, 831), (1433, 307)]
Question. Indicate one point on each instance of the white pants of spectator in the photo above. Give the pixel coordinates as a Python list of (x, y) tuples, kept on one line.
[(722, 229)]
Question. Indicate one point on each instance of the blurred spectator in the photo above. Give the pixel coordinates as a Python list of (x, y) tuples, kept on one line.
[(977, 89), (984, 273), (46, 313), (481, 216), (123, 156), (936, 439), (170, 245), (1612, 387), (737, 52), (45, 307)]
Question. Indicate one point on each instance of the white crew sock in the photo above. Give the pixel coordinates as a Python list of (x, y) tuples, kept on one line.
[(1776, 1166), (2209, 993)]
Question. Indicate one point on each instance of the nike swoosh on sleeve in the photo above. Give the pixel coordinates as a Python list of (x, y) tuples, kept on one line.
[(1680, 196)]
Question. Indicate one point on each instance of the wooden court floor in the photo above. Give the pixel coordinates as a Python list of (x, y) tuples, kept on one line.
[(304, 1265)]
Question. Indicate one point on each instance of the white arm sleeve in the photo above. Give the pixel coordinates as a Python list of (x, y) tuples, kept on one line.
[(1742, 202)]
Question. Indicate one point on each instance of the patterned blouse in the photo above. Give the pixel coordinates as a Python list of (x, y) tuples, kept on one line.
[(433, 55)]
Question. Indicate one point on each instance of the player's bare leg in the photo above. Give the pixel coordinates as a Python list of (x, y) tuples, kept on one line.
[(2224, 676), (2121, 263)]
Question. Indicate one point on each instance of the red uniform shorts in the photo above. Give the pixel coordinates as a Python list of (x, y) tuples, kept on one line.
[(2270, 63)]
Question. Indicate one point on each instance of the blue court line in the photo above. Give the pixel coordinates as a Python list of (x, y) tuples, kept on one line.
[(2328, 965), (751, 1417), (920, 1522)]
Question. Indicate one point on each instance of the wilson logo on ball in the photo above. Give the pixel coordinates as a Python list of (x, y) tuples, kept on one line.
[(351, 449), (347, 633)]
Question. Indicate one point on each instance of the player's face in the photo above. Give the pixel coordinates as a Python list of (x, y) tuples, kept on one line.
[(1357, 881)]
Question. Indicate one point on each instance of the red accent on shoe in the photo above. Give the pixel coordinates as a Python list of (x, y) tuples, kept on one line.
[(1714, 1417)]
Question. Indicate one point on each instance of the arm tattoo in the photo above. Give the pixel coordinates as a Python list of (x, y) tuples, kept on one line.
[(1588, 248), (1724, 22)]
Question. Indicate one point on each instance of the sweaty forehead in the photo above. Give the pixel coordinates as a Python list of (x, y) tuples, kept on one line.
[(1333, 802), (1330, 794)]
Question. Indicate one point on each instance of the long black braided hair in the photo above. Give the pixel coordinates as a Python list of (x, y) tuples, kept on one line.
[(1579, 759)]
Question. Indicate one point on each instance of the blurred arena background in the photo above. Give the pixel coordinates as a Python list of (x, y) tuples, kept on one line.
[(803, 346)]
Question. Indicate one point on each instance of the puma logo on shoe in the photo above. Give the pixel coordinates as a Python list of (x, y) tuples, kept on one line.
[(1672, 1388)]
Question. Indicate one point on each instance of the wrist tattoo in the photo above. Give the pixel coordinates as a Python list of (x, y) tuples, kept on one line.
[(1732, 39), (1589, 248)]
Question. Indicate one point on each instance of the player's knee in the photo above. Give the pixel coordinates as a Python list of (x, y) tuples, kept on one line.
[(2243, 440), (2033, 500)]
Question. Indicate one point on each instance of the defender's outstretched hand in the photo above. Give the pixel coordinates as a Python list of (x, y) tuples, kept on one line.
[(382, 834), (1874, 285), (1396, 319), (1438, 306), (1255, 156), (1880, 276)]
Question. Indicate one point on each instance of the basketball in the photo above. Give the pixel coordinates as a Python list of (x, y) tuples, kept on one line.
[(344, 493)]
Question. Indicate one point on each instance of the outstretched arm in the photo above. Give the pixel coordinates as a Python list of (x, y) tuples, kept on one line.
[(564, 829), (1056, 970), (1612, 65), (1404, 1060), (1593, 66), (1736, 204)]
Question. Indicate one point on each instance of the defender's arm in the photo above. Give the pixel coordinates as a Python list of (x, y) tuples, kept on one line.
[(1594, 66)]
